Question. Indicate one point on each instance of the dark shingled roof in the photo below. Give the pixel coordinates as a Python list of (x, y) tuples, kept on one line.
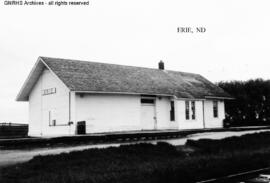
[(111, 78)]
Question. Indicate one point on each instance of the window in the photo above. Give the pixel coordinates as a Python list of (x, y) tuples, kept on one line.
[(193, 110), (172, 113), (49, 91), (187, 110), (147, 101), (215, 109), (190, 106)]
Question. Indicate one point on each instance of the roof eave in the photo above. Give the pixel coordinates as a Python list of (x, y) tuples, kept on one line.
[(24, 92), (21, 96), (219, 97), (123, 93)]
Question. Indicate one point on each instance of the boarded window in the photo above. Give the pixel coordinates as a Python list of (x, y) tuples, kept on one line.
[(187, 110), (193, 110), (172, 112), (147, 101), (215, 109)]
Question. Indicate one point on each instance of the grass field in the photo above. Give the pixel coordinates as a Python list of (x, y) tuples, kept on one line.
[(147, 163)]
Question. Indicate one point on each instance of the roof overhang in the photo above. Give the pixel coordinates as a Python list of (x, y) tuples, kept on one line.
[(124, 93), (156, 94), (31, 80), (219, 98)]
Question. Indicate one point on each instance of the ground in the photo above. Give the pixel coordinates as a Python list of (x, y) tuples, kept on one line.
[(9, 157), (195, 161)]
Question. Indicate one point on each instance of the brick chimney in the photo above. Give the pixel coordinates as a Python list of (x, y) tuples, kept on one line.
[(161, 65)]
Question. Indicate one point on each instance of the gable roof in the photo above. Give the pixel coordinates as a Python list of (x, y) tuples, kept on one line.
[(97, 77)]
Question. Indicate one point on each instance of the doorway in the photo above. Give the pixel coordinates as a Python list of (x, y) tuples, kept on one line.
[(148, 114)]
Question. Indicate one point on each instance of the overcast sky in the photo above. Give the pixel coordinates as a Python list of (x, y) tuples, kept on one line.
[(235, 45)]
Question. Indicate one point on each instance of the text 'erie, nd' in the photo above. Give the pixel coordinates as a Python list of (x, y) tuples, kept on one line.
[(191, 29)]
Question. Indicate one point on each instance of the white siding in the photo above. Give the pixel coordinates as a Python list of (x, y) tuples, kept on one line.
[(40, 105), (35, 112), (210, 121), (163, 107), (181, 115), (107, 113), (73, 112), (148, 117)]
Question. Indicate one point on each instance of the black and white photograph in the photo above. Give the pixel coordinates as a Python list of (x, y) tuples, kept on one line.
[(134, 91)]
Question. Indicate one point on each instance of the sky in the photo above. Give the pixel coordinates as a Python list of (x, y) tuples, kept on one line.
[(235, 45)]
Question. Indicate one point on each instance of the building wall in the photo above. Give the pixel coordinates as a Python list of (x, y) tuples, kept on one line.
[(210, 121), (35, 112), (181, 115), (163, 107), (57, 104), (107, 113)]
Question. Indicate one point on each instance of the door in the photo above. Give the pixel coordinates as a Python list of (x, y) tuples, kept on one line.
[(148, 118)]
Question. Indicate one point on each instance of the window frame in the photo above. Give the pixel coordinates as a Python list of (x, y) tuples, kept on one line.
[(172, 111), (193, 110), (187, 110), (146, 101), (215, 109), (190, 110)]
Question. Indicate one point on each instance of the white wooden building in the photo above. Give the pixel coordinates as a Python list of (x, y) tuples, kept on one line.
[(109, 97)]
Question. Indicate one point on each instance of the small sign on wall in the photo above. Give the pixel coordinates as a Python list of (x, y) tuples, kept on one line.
[(49, 91)]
